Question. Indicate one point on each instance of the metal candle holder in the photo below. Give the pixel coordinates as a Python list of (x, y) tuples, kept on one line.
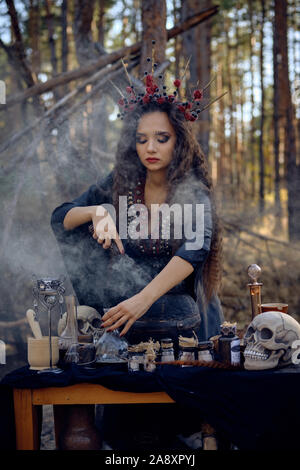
[(48, 292), (254, 272)]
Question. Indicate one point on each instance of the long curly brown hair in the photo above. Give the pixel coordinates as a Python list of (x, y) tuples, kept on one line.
[(187, 157)]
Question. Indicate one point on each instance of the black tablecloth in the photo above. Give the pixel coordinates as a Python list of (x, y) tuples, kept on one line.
[(255, 409)]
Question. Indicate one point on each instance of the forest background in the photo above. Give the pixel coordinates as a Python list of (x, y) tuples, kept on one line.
[(59, 130)]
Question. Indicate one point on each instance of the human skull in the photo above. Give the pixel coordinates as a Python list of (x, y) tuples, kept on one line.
[(88, 320), (269, 339)]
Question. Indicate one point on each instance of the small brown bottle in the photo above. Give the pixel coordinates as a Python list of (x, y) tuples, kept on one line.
[(229, 344)]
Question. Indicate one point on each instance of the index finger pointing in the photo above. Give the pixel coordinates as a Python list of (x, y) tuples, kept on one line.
[(119, 244)]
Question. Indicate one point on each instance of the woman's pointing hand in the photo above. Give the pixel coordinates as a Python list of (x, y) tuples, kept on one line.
[(105, 229)]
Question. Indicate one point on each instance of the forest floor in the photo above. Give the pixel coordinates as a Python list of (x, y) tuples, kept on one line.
[(245, 244)]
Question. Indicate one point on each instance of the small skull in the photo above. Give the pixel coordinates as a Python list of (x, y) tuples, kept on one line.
[(88, 320), (269, 339)]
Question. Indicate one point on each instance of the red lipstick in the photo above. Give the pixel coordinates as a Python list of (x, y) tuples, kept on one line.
[(152, 160)]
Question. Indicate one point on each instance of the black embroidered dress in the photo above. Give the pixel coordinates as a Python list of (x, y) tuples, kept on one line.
[(103, 279)]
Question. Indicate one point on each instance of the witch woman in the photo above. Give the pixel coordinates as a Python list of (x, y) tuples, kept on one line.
[(153, 286)]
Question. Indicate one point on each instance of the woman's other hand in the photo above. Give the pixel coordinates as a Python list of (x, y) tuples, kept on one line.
[(105, 229), (126, 312)]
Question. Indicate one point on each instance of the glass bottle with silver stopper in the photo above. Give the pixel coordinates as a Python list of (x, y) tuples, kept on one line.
[(229, 344)]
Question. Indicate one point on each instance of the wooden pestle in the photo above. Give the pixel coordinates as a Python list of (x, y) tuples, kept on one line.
[(34, 324)]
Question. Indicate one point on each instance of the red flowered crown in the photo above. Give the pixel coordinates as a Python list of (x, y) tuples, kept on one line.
[(156, 91)]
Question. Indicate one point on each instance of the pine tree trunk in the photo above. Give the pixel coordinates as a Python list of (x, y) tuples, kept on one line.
[(18, 54), (99, 114), (232, 149), (133, 21), (262, 116), (64, 45), (295, 16), (100, 21), (276, 123), (222, 171), (252, 127), (83, 16), (50, 26), (196, 43), (124, 24), (154, 28), (64, 36), (92, 133), (34, 35), (242, 141), (237, 81), (177, 40), (293, 171)]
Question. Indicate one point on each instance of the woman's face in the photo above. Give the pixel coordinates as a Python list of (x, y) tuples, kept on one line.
[(155, 141)]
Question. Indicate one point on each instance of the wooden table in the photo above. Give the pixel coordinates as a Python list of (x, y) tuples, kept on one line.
[(28, 402)]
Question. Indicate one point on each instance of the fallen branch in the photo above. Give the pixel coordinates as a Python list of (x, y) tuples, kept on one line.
[(111, 58), (87, 96), (231, 225), (13, 324), (65, 100), (240, 239)]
